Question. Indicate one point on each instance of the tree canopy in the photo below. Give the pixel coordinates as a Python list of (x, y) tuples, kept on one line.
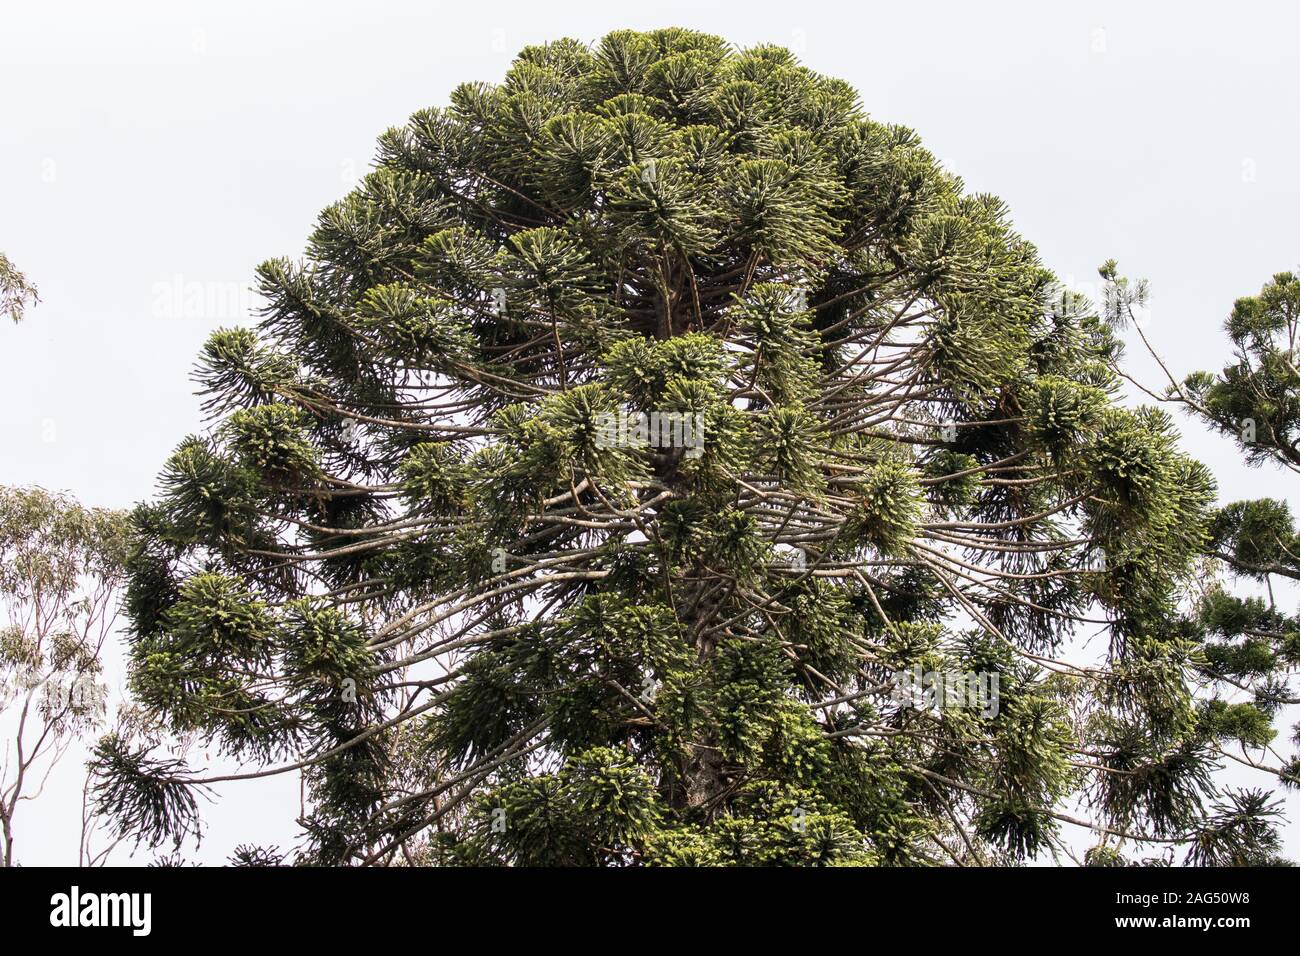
[(412, 561)]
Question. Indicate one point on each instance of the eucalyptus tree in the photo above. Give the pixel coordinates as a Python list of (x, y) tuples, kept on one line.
[(615, 482), (16, 290), (60, 567)]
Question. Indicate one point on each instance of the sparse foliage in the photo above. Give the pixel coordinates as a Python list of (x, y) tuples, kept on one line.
[(60, 565), (16, 292), (1247, 647)]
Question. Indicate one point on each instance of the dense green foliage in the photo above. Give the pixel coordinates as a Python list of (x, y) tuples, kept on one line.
[(405, 556)]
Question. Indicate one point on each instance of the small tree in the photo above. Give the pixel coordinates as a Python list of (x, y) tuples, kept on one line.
[(60, 564), (642, 441)]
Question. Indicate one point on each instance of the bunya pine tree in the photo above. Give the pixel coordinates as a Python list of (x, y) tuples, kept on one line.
[(1250, 644), (638, 454)]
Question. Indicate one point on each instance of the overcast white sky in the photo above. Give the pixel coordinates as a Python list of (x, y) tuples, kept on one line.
[(151, 154)]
